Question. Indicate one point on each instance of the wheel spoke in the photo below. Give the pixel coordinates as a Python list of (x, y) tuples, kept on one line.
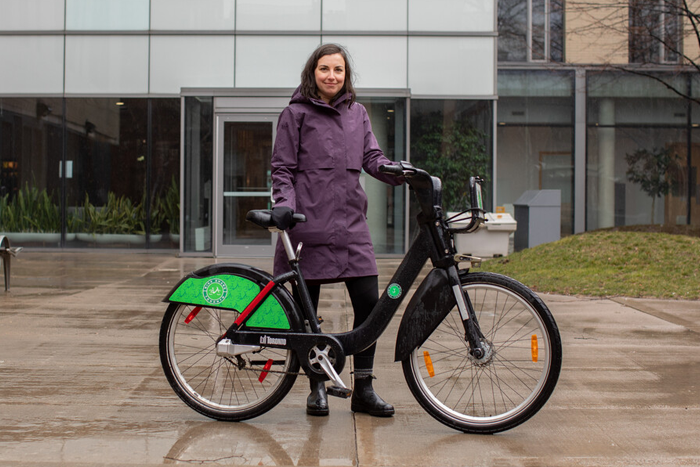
[(505, 387), (218, 386)]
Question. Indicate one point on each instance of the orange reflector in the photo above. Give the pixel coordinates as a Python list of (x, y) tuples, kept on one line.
[(428, 363), (267, 366), (191, 316), (534, 347)]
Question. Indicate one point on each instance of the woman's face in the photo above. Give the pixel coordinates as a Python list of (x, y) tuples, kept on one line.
[(330, 76)]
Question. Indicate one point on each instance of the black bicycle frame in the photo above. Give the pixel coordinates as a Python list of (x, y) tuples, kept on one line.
[(438, 293)]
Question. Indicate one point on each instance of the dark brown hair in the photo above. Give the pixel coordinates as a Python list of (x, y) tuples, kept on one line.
[(308, 76)]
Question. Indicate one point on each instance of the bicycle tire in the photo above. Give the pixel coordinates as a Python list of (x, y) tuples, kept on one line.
[(504, 390), (218, 387)]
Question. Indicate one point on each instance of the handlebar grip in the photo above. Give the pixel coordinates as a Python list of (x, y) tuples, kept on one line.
[(299, 218), (391, 169)]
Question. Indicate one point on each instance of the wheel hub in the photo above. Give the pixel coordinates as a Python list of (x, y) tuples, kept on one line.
[(487, 358)]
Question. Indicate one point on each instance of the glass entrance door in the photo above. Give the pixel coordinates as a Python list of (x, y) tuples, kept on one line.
[(244, 149)]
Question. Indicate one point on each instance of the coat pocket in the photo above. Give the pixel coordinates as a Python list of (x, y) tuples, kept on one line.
[(315, 161)]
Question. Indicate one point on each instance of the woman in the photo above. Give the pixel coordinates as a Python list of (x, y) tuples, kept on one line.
[(324, 140)]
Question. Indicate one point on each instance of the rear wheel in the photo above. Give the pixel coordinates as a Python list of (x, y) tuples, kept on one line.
[(223, 388), (508, 385)]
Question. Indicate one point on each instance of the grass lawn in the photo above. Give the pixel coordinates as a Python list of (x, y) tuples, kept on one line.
[(634, 261)]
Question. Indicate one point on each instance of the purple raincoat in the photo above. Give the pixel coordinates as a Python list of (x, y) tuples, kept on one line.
[(320, 151)]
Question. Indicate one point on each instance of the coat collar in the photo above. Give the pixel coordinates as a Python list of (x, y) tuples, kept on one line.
[(298, 98)]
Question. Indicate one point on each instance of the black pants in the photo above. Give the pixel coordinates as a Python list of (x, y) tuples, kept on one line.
[(364, 294)]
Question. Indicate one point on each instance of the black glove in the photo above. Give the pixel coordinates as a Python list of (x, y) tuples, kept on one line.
[(283, 217)]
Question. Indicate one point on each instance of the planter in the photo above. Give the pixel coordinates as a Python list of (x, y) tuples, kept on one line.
[(175, 238), (107, 239), (34, 237)]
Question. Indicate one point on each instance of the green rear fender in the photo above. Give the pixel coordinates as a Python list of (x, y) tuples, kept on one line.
[(234, 286)]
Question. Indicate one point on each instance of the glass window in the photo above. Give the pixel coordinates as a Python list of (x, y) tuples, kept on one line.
[(614, 199), (107, 64), (288, 53), (364, 15), (107, 15), (453, 139), (203, 15), (198, 160), (530, 30), (106, 158), (32, 15), (536, 138), (536, 158), (165, 173), (635, 121), (190, 61), (103, 171), (380, 62), (31, 145), (278, 15), (471, 66), (556, 30), (512, 30), (655, 31), (386, 209), (539, 29), (684, 198), (31, 64), (450, 15), (535, 97), (636, 99)]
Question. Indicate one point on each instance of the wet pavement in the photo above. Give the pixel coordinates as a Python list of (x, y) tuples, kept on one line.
[(81, 383)]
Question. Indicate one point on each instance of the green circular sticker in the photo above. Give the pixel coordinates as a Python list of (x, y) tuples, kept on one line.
[(394, 290), (215, 291)]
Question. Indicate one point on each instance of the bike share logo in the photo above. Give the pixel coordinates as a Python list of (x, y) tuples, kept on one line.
[(394, 291), (267, 340), (215, 291)]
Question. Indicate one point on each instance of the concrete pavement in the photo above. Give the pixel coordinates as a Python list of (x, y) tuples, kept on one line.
[(81, 383)]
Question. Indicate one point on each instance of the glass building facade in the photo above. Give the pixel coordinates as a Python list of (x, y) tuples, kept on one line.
[(535, 135), (146, 124)]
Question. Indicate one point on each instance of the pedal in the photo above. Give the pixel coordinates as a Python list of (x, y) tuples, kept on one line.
[(335, 391)]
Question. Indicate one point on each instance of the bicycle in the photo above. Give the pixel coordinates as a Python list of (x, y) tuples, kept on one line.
[(481, 352)]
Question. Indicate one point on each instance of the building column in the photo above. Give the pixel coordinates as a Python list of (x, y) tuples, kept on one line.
[(580, 136), (606, 164)]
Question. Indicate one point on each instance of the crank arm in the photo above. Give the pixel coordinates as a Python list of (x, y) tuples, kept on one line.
[(324, 362)]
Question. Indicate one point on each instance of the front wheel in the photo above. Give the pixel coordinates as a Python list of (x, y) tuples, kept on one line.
[(511, 382), (223, 388)]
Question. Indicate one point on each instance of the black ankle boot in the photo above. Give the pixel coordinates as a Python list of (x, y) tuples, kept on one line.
[(365, 400), (317, 402)]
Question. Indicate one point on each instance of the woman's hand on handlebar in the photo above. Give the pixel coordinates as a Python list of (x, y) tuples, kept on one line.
[(394, 169), (400, 169)]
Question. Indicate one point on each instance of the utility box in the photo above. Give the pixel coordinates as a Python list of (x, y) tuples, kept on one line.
[(491, 240), (538, 213)]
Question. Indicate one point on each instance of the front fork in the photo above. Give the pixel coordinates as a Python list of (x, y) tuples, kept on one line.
[(473, 334)]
